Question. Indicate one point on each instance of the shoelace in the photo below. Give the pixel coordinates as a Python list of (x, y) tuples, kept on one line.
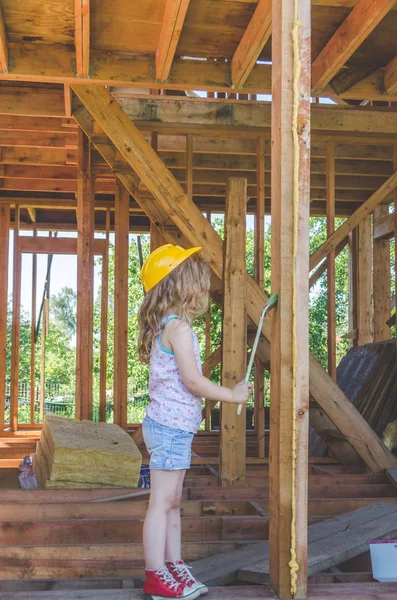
[(167, 578), (184, 573)]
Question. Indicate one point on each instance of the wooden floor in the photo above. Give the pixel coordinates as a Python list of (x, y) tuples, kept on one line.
[(367, 591)]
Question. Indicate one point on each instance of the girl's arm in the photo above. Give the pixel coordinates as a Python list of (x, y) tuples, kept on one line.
[(179, 336)]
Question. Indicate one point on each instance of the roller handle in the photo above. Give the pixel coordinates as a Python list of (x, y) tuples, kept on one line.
[(271, 304)]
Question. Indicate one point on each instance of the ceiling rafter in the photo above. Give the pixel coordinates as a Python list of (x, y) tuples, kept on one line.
[(256, 35), (3, 45), (171, 29), (357, 26), (82, 37), (391, 77)]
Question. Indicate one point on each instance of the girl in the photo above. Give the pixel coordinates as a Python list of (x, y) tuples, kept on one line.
[(177, 283)]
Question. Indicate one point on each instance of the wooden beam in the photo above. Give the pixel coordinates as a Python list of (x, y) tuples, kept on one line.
[(85, 279), (384, 227), (395, 232), (16, 326), (122, 201), (171, 29), (381, 281), (234, 338), (357, 26), (33, 336), (331, 289), (104, 324), (259, 371), (4, 252), (188, 228), (390, 79), (353, 284), (82, 37), (52, 245), (189, 166), (363, 211), (256, 35), (3, 45), (68, 100), (365, 290), (290, 280)]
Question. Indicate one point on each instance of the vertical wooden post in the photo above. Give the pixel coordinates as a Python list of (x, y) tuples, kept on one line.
[(104, 324), (44, 327), (156, 239), (122, 202), (234, 342), (290, 276), (16, 326), (189, 166), (353, 284), (364, 305), (33, 336), (85, 278), (4, 251), (259, 371), (207, 409), (331, 290), (381, 282)]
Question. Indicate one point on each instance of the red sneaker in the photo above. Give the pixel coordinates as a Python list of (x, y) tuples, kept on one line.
[(161, 585), (182, 574)]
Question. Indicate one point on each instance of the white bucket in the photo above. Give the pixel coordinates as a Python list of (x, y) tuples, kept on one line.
[(384, 559)]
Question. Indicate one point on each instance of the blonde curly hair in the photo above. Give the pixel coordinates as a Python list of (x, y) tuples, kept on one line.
[(185, 290)]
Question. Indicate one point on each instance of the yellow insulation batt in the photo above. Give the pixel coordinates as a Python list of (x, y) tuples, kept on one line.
[(72, 452)]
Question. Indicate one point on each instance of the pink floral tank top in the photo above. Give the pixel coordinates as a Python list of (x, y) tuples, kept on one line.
[(171, 403)]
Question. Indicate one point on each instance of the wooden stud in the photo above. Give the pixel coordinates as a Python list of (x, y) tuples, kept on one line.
[(361, 213), (189, 166), (190, 228), (33, 337), (357, 26), (381, 281), (16, 325), (364, 306), (171, 29), (85, 279), (104, 324), (395, 229), (207, 408), (290, 278), (256, 35), (44, 328), (3, 45), (234, 338), (4, 253), (260, 423), (68, 100), (353, 285), (122, 201), (331, 291), (82, 37)]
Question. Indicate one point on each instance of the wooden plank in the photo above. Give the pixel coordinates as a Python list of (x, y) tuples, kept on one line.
[(171, 29), (195, 230), (357, 26), (68, 100), (189, 166), (104, 324), (395, 227), (122, 201), (381, 280), (331, 289), (3, 45), (16, 326), (290, 280), (363, 211), (234, 338), (384, 227), (252, 43), (364, 305), (4, 252), (235, 593), (336, 540), (52, 245), (82, 37), (85, 280)]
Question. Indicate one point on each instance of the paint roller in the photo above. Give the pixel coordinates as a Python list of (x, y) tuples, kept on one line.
[(270, 304)]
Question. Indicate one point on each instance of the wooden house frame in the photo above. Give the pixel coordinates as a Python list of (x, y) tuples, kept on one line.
[(102, 129)]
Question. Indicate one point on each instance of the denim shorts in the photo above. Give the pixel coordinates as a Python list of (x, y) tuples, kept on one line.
[(170, 449)]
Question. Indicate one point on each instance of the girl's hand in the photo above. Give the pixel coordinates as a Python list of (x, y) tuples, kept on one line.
[(241, 392)]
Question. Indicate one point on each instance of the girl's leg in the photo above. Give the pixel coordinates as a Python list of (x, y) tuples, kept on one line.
[(164, 485), (174, 533)]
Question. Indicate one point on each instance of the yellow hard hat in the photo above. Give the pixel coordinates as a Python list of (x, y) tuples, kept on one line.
[(161, 262)]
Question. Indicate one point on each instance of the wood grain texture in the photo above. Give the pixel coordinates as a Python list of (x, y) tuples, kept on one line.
[(381, 279), (171, 29), (4, 251)]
